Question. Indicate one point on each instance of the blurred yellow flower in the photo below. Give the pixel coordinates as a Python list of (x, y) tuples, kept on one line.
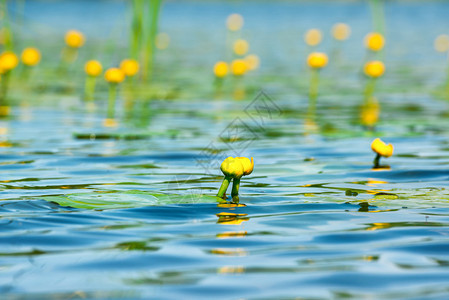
[(237, 167), (30, 56), (239, 67), (374, 41), (114, 75), (241, 47), (313, 37), (370, 112), (234, 22), (74, 39), (442, 43), (8, 61), (93, 68), (341, 31), (252, 61), (374, 69), (162, 41), (129, 67), (317, 60), (381, 148), (221, 69)]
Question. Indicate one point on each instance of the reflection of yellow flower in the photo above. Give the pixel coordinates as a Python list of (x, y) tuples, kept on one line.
[(317, 60), (237, 167), (313, 37), (381, 148), (74, 39), (374, 41), (374, 68), (241, 47), (442, 43), (221, 69), (252, 61), (234, 22), (341, 31), (114, 75), (93, 68), (30, 56), (129, 67), (370, 112), (8, 61), (239, 67)]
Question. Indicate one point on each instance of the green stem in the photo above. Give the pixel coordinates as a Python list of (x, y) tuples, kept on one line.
[(89, 88), (224, 187), (152, 23), (235, 190), (313, 91), (4, 88), (377, 11), (6, 24), (136, 28), (376, 160), (111, 101), (370, 87)]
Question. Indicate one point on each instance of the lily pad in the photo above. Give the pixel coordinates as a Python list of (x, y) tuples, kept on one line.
[(127, 199)]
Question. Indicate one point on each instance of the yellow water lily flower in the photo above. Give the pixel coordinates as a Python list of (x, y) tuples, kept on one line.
[(114, 75), (442, 43), (129, 67), (234, 168), (241, 47), (382, 148), (221, 69), (253, 61), (30, 56), (313, 37), (74, 39), (374, 69), (8, 61), (341, 31), (248, 165), (93, 68), (234, 22), (374, 41), (317, 60), (239, 67)]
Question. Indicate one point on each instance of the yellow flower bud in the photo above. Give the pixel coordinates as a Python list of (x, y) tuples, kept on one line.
[(8, 61), (381, 148), (129, 67), (221, 69), (248, 165), (442, 43), (232, 167), (30, 56), (252, 61), (374, 69), (93, 68), (241, 47), (374, 41), (234, 22), (114, 75), (313, 37), (74, 39), (239, 67), (341, 31), (317, 60)]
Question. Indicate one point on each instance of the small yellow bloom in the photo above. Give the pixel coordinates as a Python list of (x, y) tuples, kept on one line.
[(237, 167), (341, 31), (93, 68), (31, 56), (234, 22), (114, 75), (74, 39), (129, 67), (239, 67), (442, 43), (374, 41), (252, 61), (8, 61), (374, 69), (370, 112), (241, 47), (221, 69), (313, 37), (317, 60), (381, 148)]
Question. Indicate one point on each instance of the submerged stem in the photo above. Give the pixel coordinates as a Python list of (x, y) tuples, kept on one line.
[(224, 186)]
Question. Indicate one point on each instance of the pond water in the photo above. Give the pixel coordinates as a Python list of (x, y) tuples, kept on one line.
[(315, 219)]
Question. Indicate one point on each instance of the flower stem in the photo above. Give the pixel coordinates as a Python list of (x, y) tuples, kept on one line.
[(376, 160), (224, 187), (111, 102), (235, 188)]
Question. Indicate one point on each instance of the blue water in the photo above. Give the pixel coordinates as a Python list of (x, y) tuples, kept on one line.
[(316, 220)]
